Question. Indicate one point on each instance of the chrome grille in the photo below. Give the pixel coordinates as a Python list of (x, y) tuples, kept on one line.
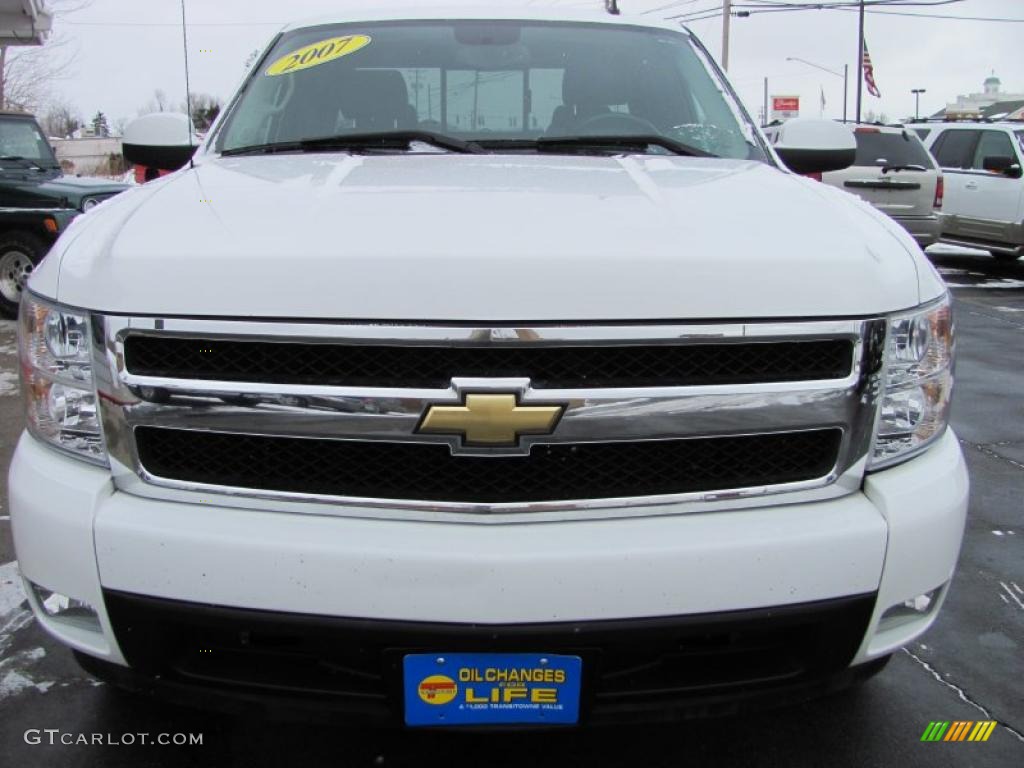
[(166, 428), (407, 471), (548, 367)]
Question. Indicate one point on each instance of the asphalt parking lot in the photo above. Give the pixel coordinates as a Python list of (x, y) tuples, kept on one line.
[(969, 667)]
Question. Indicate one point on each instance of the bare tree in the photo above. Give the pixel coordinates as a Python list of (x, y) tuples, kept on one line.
[(159, 103), (61, 120), (28, 73)]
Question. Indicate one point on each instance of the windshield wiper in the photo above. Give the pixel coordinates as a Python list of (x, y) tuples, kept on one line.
[(908, 167), (385, 140), (19, 159), (601, 143)]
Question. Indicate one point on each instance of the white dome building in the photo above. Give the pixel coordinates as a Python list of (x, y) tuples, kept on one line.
[(972, 105)]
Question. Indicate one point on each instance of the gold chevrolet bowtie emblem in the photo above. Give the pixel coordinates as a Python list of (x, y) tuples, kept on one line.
[(491, 420)]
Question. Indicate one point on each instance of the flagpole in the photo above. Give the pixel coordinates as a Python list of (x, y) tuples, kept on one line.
[(860, 62), (846, 89)]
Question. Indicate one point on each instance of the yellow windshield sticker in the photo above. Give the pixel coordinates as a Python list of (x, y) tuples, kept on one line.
[(318, 53)]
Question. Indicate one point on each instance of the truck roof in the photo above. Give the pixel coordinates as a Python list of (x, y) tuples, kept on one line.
[(512, 10)]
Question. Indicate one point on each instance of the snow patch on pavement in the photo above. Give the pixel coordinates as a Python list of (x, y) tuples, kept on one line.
[(989, 285), (11, 593), (14, 682), (8, 383)]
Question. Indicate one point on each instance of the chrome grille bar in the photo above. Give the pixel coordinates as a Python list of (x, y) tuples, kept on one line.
[(392, 414)]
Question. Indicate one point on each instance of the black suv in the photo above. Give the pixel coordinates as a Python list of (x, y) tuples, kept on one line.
[(37, 201)]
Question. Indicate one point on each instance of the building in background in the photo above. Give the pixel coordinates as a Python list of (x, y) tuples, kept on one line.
[(93, 156), (992, 102)]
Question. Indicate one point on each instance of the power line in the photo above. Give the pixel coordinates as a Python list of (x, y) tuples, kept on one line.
[(781, 6), (942, 16), (175, 25), (669, 6)]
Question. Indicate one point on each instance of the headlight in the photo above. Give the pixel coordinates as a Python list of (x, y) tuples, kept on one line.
[(55, 344), (918, 384), (89, 203)]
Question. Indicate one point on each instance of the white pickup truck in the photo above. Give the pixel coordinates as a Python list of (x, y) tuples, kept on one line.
[(488, 369)]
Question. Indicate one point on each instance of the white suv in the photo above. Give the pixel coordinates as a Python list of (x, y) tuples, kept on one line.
[(894, 172), (984, 205), (489, 369)]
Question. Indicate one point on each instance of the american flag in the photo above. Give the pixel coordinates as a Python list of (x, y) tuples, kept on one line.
[(869, 74)]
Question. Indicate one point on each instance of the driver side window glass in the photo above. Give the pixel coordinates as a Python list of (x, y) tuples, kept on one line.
[(953, 147), (992, 144)]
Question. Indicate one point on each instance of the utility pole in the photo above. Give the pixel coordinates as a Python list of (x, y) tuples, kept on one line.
[(3, 76), (766, 118), (726, 23), (846, 88), (860, 62), (917, 101)]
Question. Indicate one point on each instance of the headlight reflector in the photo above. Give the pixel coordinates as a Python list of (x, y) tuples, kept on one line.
[(918, 384), (56, 364)]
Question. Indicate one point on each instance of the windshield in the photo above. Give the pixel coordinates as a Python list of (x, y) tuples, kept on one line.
[(21, 138), (490, 82), (893, 149)]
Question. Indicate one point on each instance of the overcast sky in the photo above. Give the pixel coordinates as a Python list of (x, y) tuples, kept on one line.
[(128, 48)]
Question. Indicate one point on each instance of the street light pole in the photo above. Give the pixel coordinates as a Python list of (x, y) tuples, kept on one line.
[(917, 101), (726, 22), (766, 119), (846, 88)]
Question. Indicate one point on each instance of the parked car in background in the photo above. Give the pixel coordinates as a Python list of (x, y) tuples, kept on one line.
[(984, 206), (894, 172), (25, 233), (32, 188)]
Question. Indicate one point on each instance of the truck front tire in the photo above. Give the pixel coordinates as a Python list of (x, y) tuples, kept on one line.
[(20, 252)]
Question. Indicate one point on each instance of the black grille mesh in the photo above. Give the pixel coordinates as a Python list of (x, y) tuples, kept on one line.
[(377, 470), (434, 367), (629, 666)]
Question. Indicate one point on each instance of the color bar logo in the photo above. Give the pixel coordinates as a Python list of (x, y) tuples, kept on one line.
[(959, 730)]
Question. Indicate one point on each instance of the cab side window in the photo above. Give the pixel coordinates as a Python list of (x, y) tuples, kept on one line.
[(955, 148), (992, 144)]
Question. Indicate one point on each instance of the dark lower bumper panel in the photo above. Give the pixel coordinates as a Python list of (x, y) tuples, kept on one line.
[(350, 669)]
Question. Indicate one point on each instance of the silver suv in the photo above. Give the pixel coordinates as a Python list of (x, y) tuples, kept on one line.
[(985, 190), (894, 172)]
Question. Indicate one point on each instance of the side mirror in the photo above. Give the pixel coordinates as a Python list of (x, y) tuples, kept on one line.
[(1004, 164), (815, 146), (162, 140)]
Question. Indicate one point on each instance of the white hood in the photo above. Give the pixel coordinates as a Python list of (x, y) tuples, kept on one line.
[(440, 237)]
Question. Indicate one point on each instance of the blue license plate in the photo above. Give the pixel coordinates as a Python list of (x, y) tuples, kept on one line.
[(458, 689)]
